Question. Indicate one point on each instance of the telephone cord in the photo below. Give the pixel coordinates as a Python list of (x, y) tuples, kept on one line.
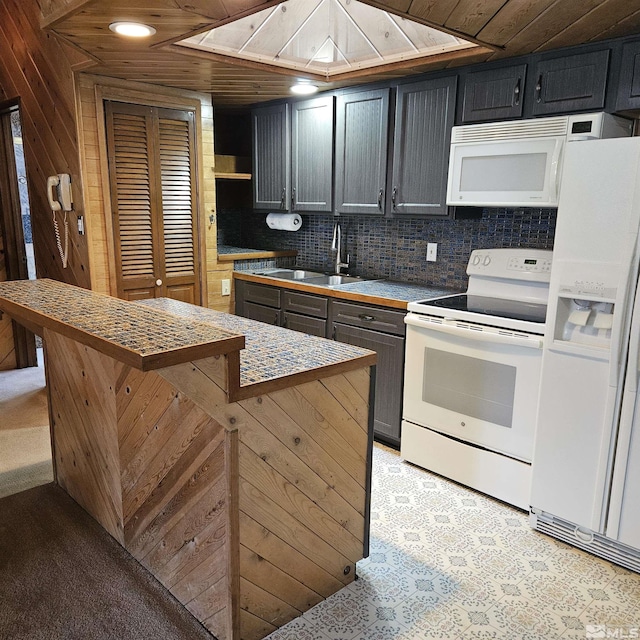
[(64, 253)]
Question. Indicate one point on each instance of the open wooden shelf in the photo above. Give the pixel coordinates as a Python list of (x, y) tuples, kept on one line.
[(232, 167), (232, 176)]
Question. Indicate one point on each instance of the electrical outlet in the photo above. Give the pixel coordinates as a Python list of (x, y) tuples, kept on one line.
[(226, 287), (432, 251)]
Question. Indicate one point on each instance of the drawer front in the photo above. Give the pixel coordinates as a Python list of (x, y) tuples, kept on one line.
[(304, 303), (305, 324), (369, 317), (262, 313), (261, 294)]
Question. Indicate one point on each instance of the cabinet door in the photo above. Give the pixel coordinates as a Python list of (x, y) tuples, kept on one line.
[(496, 94), (424, 116), (389, 375), (312, 155), (305, 324), (306, 304), (629, 87), (270, 131), (572, 83), (361, 151), (262, 313)]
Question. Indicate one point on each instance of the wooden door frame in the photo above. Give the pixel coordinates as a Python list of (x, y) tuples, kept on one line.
[(123, 94), (12, 233)]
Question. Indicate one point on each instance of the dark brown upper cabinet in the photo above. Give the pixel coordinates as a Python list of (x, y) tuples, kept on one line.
[(495, 94), (628, 95), (569, 83), (362, 121), (312, 154), (271, 149), (424, 116)]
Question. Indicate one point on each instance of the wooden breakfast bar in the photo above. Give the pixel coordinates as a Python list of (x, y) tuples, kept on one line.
[(231, 458)]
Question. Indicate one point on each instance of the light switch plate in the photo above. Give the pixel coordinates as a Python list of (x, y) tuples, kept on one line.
[(226, 287), (432, 251)]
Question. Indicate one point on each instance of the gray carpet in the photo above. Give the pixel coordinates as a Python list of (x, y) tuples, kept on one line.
[(25, 447), (63, 576)]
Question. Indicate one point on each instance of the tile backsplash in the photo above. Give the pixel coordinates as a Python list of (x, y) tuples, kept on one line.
[(396, 248)]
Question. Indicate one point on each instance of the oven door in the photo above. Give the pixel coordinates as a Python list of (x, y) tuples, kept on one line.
[(475, 383)]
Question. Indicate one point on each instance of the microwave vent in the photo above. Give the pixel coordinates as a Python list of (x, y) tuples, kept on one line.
[(540, 128)]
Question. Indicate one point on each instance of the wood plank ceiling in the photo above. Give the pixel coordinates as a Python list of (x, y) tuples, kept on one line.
[(502, 28)]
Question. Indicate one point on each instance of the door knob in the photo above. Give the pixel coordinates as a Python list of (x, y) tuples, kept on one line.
[(158, 282)]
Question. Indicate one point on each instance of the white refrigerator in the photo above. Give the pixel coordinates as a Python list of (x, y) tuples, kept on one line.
[(586, 463)]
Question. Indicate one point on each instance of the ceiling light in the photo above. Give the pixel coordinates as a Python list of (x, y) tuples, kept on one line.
[(132, 29), (303, 88)]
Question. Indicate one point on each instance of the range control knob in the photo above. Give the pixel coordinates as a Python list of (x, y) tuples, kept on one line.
[(476, 260), (486, 261)]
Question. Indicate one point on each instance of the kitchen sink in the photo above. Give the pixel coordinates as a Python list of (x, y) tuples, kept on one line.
[(290, 274), (332, 281), (309, 277)]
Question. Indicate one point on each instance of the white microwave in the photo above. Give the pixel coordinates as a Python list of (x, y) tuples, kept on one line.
[(518, 163)]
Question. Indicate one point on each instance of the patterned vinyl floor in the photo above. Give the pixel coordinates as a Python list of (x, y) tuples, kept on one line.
[(447, 562)]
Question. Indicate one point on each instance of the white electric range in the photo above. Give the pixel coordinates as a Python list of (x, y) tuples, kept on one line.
[(472, 374)]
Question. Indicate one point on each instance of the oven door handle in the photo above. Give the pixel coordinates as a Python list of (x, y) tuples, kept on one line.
[(452, 328)]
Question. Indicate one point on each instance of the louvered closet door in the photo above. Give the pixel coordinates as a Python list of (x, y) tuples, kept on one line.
[(153, 199)]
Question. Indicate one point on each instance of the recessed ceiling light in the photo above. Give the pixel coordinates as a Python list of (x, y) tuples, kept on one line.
[(132, 29), (303, 88)]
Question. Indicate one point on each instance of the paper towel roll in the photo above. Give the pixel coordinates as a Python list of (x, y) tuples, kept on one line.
[(284, 221)]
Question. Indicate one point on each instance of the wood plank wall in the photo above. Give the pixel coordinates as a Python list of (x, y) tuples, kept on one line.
[(61, 135), (249, 512), (302, 488), (36, 67)]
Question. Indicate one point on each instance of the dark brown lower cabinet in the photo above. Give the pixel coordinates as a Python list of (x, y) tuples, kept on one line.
[(259, 312), (382, 331), (306, 324), (376, 328)]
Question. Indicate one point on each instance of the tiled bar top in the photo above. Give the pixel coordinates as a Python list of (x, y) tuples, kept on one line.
[(142, 337), (271, 353), (380, 292)]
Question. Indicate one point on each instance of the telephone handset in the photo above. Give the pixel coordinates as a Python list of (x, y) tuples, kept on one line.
[(63, 200)]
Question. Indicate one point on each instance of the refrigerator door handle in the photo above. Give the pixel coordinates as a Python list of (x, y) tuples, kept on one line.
[(623, 322), (634, 345), (627, 413)]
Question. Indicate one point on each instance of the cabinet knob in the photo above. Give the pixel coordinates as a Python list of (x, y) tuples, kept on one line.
[(394, 196), (516, 92), (293, 197), (380, 194), (283, 198), (366, 316), (158, 282), (539, 89)]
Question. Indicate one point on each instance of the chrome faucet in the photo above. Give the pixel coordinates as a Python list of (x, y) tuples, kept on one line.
[(336, 244)]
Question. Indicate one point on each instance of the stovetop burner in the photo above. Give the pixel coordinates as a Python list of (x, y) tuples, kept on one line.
[(497, 307)]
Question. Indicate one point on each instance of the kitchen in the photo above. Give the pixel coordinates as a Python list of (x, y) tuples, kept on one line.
[(369, 239)]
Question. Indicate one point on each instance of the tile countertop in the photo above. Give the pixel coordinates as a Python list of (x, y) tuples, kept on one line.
[(124, 330), (270, 352), (379, 292)]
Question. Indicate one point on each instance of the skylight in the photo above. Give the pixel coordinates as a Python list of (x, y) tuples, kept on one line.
[(325, 37)]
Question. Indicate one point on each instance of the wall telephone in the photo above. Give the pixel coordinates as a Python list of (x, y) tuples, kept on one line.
[(60, 199)]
